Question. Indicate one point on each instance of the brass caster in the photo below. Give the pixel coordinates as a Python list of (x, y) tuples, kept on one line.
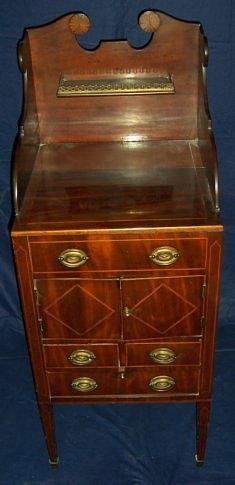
[(199, 462), (54, 462)]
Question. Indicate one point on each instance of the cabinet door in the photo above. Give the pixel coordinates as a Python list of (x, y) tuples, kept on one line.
[(79, 309), (158, 307)]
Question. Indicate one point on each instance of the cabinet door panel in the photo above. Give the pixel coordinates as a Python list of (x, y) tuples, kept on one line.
[(72, 308), (162, 307)]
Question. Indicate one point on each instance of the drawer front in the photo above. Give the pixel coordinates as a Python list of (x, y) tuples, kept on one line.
[(163, 353), (81, 356), (159, 381), (164, 380), (143, 254), (92, 382)]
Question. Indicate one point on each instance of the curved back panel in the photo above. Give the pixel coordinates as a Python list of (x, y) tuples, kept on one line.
[(172, 53)]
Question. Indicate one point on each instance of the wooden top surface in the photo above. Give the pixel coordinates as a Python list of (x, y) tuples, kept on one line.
[(116, 185)]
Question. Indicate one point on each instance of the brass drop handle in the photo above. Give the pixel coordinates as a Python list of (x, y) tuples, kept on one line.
[(163, 356), (73, 258), (162, 383), (81, 357), (127, 312), (164, 256), (84, 384)]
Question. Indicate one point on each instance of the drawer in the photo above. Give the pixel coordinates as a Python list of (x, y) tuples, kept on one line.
[(77, 355), (141, 254), (163, 380), (92, 382), (158, 381), (163, 353)]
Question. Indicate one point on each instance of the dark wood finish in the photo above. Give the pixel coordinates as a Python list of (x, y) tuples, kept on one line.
[(46, 415), (211, 313), (115, 177), (85, 309), (106, 355), (136, 382), (203, 415), (162, 307), (109, 255), (138, 354), (54, 49), (34, 344), (113, 182)]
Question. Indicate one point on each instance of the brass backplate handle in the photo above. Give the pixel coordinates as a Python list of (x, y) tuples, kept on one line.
[(73, 258), (162, 383), (164, 256), (82, 357), (163, 355), (84, 384)]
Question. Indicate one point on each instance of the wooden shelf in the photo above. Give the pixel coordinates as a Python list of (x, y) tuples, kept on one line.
[(103, 182)]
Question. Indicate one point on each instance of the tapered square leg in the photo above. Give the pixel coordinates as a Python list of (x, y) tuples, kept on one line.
[(202, 415), (46, 414)]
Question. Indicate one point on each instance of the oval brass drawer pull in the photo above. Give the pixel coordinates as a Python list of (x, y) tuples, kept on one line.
[(72, 258), (163, 356), (162, 383), (164, 256), (84, 384), (82, 357)]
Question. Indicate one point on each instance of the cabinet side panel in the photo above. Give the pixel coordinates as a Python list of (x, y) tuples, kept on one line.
[(25, 281), (28, 139), (211, 312)]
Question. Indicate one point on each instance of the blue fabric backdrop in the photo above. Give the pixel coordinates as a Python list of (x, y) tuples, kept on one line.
[(116, 444)]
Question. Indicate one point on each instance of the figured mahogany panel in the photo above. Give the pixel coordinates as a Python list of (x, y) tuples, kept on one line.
[(174, 50), (102, 183), (211, 312), (136, 381), (162, 307), (79, 309), (60, 355), (139, 354), (28, 141), (107, 380), (185, 380), (123, 255), (25, 281)]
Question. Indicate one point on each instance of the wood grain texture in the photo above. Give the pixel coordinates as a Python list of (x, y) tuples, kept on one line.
[(87, 309), (136, 382), (202, 416), (118, 177), (106, 355), (162, 307), (25, 281), (138, 354), (96, 184), (122, 256), (145, 117), (211, 312)]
